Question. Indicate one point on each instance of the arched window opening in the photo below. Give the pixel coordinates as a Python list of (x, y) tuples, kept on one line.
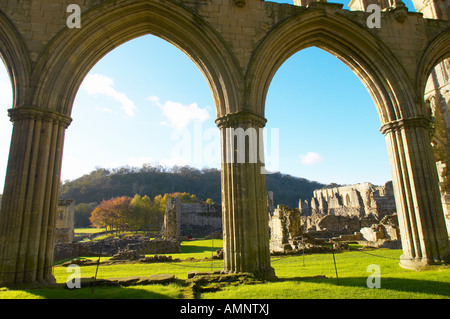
[(437, 102), (317, 102), (6, 101), (144, 106)]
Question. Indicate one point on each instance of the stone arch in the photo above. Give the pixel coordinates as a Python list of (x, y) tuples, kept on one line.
[(17, 62), (437, 50), (415, 180), (354, 45), (31, 192), (110, 25), (432, 90)]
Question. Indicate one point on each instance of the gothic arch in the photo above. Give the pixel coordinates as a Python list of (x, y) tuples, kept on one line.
[(350, 42), (70, 56), (437, 50), (16, 59), (402, 118), (47, 74)]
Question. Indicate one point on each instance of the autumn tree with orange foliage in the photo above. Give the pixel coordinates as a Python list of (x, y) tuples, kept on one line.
[(137, 213), (112, 214)]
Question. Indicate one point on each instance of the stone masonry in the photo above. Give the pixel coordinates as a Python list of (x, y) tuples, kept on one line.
[(65, 222), (285, 227), (191, 219), (111, 246), (360, 200)]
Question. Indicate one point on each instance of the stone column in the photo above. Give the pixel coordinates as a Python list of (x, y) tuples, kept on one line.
[(27, 216), (417, 195), (244, 202)]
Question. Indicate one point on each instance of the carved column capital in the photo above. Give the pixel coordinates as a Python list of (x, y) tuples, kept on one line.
[(242, 118), (20, 113), (405, 123)]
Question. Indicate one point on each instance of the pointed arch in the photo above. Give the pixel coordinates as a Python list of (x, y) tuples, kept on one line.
[(353, 44), (437, 50), (70, 56), (16, 59)]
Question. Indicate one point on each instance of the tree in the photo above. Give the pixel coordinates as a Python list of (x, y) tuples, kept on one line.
[(112, 214), (82, 213), (141, 213)]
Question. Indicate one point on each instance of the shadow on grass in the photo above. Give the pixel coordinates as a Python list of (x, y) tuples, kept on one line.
[(198, 249), (399, 284), (61, 291), (102, 292)]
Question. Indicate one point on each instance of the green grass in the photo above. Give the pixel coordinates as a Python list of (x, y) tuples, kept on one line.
[(89, 230), (315, 280)]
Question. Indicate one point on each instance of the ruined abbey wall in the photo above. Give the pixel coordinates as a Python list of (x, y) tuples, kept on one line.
[(437, 97), (65, 222), (360, 200), (191, 219)]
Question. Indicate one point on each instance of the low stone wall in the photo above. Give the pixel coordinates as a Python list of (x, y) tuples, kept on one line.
[(111, 246)]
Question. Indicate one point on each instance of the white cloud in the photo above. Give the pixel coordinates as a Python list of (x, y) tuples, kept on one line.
[(179, 115), (310, 158), (101, 84)]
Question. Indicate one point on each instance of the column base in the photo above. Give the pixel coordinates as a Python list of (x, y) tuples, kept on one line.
[(51, 280), (422, 263), (265, 275)]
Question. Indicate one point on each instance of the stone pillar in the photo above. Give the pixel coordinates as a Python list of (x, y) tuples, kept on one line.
[(171, 227), (244, 202), (416, 189), (30, 199), (444, 182)]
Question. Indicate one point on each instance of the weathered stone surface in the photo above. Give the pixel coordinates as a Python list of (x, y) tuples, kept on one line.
[(129, 281), (285, 227), (111, 246), (360, 200), (65, 222), (183, 220)]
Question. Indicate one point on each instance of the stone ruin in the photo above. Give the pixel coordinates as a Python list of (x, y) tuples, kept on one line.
[(361, 213), (360, 200), (182, 220), (286, 229), (357, 213), (290, 235), (135, 244), (65, 221)]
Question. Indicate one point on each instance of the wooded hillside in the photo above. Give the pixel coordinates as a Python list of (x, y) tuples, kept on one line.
[(103, 184)]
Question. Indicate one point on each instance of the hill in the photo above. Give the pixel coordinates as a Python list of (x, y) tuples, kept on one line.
[(154, 180)]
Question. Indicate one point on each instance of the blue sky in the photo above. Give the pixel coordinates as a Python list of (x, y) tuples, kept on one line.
[(147, 102)]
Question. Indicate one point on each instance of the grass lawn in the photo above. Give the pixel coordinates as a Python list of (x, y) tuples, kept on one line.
[(89, 230), (316, 279)]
